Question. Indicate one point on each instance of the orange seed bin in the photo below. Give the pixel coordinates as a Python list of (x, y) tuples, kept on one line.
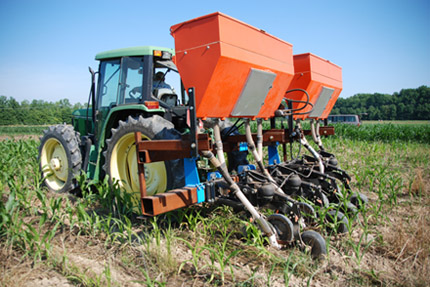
[(237, 70), (321, 79)]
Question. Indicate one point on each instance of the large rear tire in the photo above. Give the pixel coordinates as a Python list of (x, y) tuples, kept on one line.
[(121, 159), (60, 158)]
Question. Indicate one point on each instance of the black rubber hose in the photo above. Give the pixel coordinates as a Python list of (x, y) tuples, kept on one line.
[(88, 144)]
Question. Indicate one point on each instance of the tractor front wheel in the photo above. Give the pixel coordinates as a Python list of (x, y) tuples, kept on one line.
[(121, 160), (60, 158)]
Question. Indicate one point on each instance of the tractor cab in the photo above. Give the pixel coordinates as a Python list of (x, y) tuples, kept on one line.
[(134, 76), (144, 79)]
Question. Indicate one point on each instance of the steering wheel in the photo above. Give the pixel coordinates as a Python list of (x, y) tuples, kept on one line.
[(134, 91)]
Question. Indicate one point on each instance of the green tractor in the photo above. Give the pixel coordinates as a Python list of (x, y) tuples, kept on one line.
[(130, 96)]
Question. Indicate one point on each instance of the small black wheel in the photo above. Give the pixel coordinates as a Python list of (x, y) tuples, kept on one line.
[(359, 200), (350, 209), (321, 200), (339, 220), (283, 226), (307, 212), (60, 158), (316, 242)]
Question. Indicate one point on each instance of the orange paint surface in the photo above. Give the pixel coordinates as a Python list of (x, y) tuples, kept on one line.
[(312, 73), (215, 53)]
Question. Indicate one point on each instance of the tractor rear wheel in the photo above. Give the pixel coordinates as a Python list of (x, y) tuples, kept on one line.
[(60, 158), (121, 160)]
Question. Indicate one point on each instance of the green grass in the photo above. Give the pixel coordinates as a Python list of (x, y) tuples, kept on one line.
[(90, 241), (387, 133)]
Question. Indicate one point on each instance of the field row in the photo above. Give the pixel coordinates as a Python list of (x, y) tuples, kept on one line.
[(93, 239)]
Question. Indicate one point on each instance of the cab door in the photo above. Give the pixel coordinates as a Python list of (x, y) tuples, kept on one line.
[(107, 94)]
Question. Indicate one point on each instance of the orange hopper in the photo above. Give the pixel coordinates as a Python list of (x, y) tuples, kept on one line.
[(321, 79), (237, 70)]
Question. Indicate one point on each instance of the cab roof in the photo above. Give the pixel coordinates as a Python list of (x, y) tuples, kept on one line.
[(132, 51)]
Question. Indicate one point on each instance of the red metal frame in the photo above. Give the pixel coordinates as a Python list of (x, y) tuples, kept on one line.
[(270, 137), (162, 150)]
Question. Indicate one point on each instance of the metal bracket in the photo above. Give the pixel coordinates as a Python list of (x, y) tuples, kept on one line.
[(193, 123)]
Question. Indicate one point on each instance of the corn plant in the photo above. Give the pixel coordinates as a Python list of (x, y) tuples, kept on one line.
[(220, 255)]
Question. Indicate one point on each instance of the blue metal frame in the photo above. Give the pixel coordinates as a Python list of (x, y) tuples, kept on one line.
[(192, 178), (274, 157)]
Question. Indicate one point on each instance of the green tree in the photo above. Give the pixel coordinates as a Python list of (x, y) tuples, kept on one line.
[(408, 104)]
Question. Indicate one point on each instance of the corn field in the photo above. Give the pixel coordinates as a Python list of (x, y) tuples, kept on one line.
[(92, 237)]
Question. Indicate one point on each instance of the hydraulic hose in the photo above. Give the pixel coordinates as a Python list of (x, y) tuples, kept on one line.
[(317, 131), (252, 148), (305, 143), (88, 144), (307, 102), (258, 159), (218, 143), (261, 221), (260, 137), (314, 135)]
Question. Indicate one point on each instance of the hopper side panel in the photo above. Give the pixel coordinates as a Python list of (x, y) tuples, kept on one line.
[(223, 89), (302, 63), (246, 37), (196, 68), (196, 33), (322, 67)]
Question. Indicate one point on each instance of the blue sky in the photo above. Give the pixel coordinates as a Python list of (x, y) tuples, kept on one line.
[(46, 46)]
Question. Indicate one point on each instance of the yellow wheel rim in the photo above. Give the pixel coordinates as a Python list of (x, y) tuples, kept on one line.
[(54, 164), (123, 167)]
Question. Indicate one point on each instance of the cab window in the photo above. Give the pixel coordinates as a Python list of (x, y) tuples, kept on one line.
[(131, 80)]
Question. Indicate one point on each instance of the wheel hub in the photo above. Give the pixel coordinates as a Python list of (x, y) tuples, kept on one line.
[(55, 164)]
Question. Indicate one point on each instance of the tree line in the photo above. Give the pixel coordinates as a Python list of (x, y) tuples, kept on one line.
[(408, 104), (36, 112)]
